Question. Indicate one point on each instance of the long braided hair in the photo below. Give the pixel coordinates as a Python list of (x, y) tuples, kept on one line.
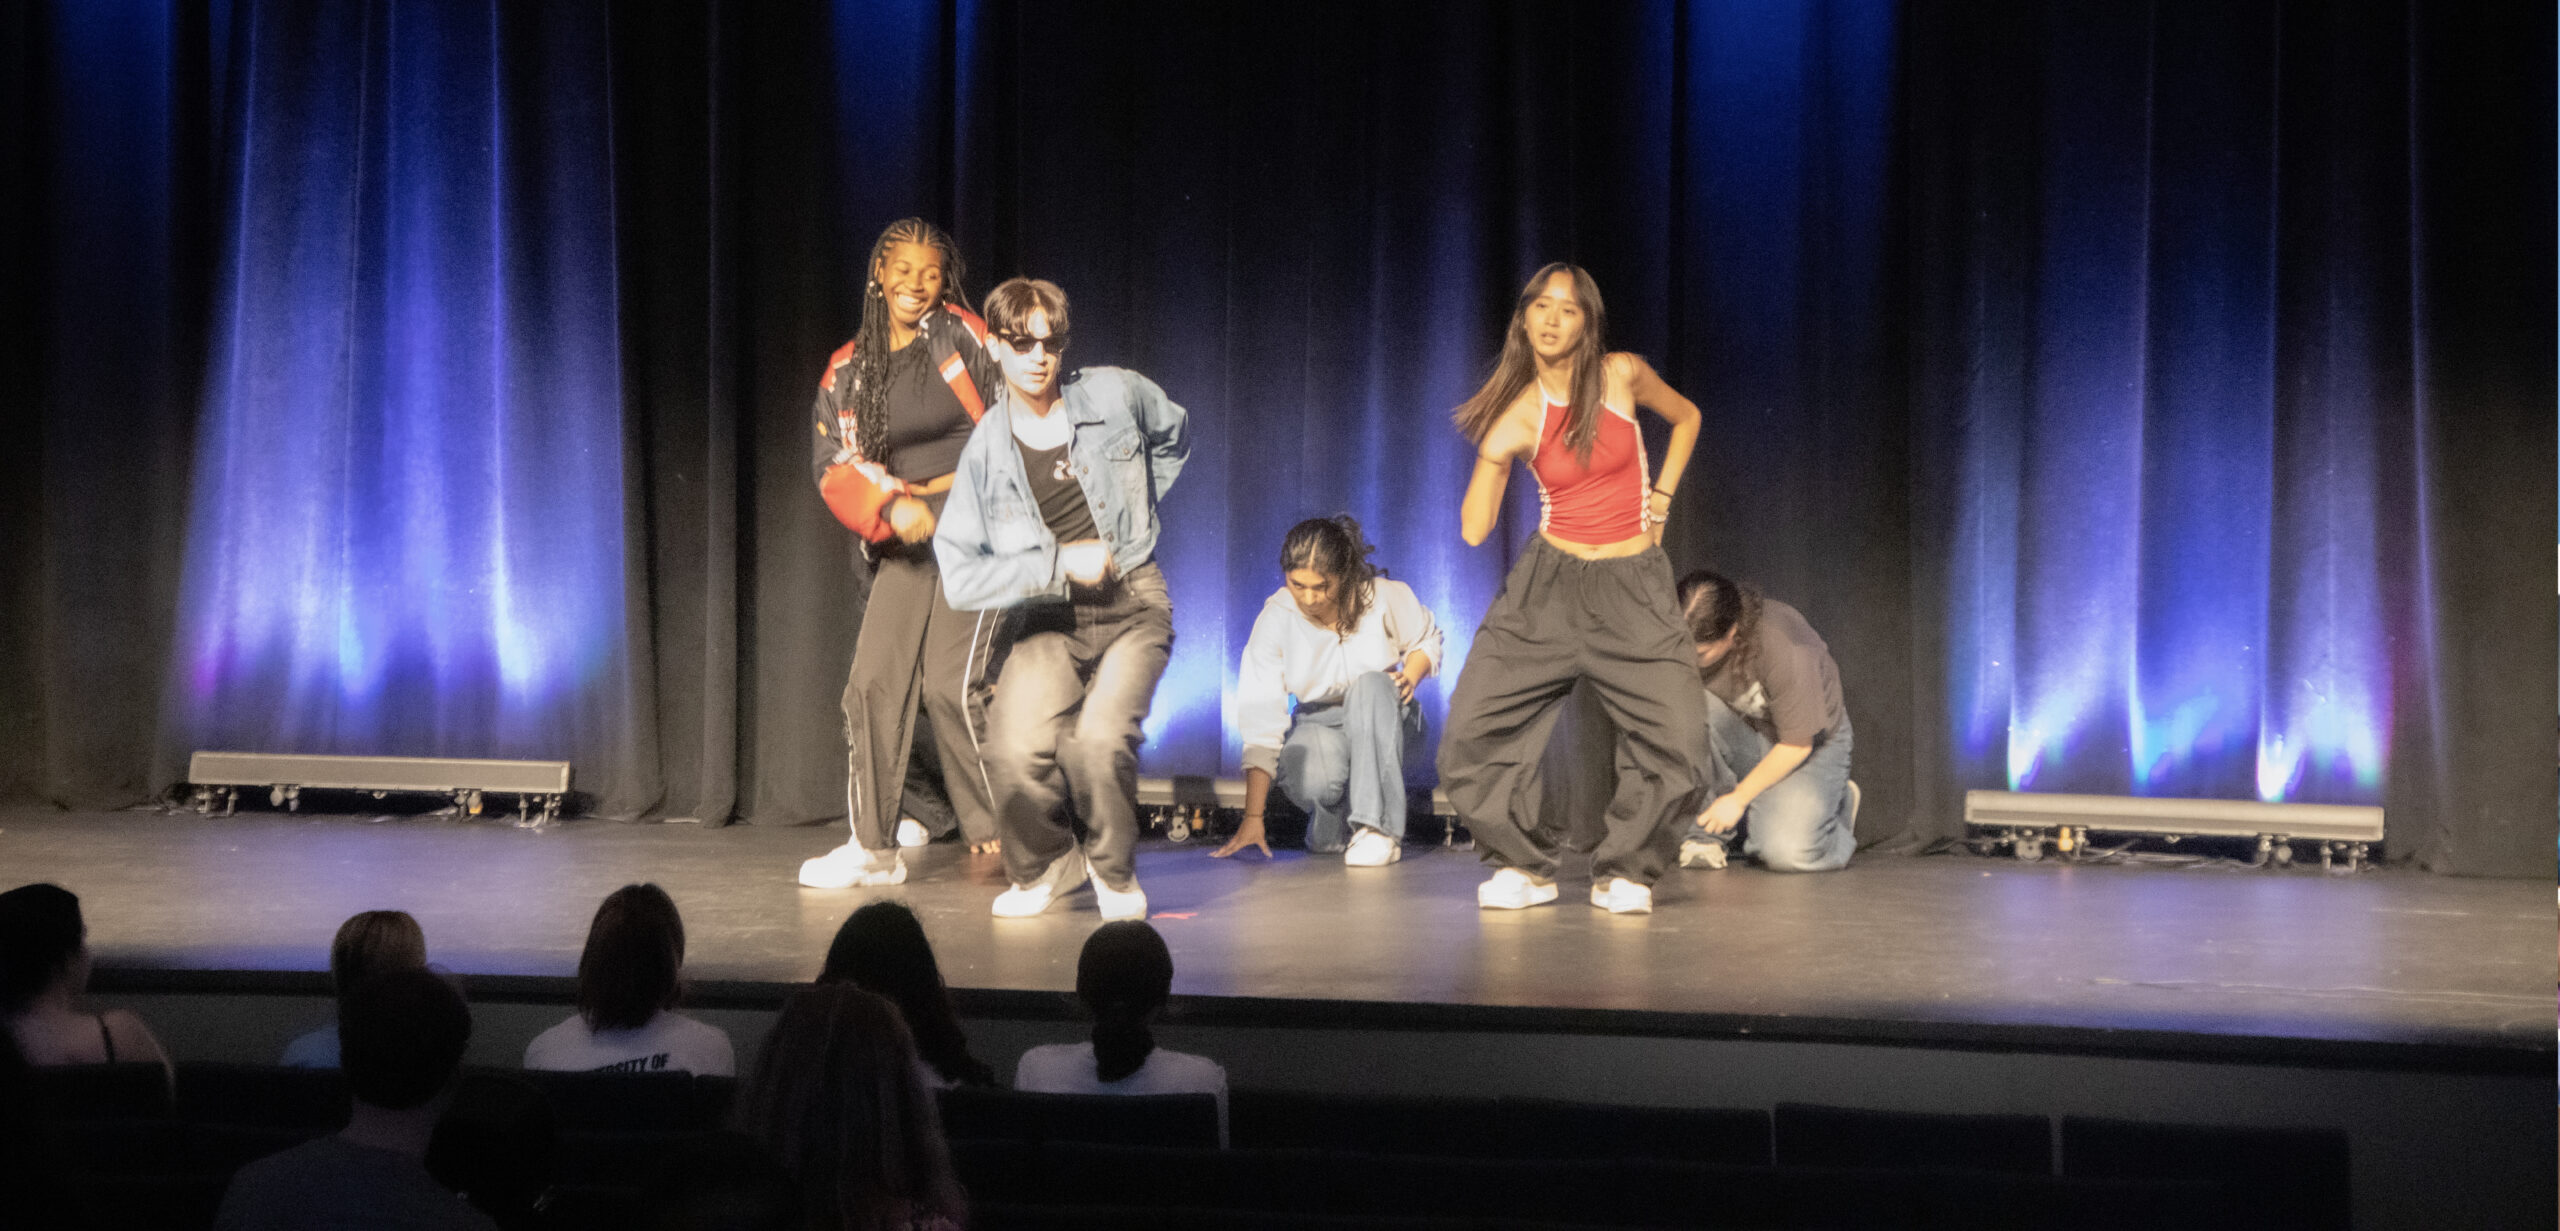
[(871, 344), (1713, 605), (1334, 547), (1519, 365)]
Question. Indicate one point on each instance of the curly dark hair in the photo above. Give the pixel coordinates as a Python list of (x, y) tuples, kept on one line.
[(1713, 605), (871, 345), (1334, 547)]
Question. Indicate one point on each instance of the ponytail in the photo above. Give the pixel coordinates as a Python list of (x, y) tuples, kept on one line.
[(1124, 975)]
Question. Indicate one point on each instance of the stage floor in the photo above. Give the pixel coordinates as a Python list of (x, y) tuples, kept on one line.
[(1940, 943)]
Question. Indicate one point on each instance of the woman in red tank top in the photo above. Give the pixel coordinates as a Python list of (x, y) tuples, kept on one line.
[(1590, 600)]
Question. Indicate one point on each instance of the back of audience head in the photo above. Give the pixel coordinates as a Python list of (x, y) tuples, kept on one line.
[(401, 1035), (371, 942), (634, 961), (835, 1092), (1124, 976), (43, 945), (882, 949)]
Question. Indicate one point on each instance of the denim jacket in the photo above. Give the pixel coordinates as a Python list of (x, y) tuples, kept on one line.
[(1128, 444)]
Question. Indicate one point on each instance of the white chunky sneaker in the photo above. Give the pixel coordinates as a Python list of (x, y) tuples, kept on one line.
[(1513, 889), (849, 865), (1372, 848), (1620, 896), (1702, 853), (1118, 904), (1064, 874), (911, 832)]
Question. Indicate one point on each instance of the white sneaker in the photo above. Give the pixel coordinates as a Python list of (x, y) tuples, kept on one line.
[(1118, 904), (1372, 848), (1064, 874), (1702, 853), (911, 832), (1513, 889), (1620, 896), (849, 865)]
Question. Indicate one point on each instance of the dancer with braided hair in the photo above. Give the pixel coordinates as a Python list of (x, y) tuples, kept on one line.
[(1350, 645), (893, 410)]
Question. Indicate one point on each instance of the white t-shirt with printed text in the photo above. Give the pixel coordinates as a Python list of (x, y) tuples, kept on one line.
[(671, 1042), (1067, 1068)]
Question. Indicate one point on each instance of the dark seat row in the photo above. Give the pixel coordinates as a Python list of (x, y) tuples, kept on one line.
[(611, 1122), (1064, 1184), (271, 1096)]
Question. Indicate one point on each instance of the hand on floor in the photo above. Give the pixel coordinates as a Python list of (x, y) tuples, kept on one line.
[(1247, 834)]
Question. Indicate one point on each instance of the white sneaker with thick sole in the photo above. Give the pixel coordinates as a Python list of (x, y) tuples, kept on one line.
[(850, 865), (1702, 853), (1119, 904), (1064, 874), (1513, 889), (1372, 848), (911, 832), (1620, 896)]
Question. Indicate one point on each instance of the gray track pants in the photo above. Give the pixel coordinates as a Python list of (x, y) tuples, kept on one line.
[(915, 650)]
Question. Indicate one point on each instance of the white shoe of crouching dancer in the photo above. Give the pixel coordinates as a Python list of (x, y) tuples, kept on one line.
[(1513, 889), (1620, 896), (1372, 849), (1063, 875), (911, 832), (850, 865)]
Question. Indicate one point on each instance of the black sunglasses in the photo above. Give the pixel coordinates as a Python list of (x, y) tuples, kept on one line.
[(1023, 342)]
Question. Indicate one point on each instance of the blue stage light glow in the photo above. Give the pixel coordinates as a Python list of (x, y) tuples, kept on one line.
[(2193, 607), (407, 530)]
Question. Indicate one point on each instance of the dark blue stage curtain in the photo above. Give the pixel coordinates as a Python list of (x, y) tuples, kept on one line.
[(407, 530), (2214, 355)]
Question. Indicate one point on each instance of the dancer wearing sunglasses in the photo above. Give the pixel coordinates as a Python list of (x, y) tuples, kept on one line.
[(895, 407), (1053, 512), (1590, 599)]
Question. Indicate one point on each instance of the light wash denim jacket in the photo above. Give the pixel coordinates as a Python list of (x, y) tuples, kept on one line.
[(1128, 444)]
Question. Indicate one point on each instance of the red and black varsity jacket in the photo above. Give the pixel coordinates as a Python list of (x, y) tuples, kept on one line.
[(858, 488)]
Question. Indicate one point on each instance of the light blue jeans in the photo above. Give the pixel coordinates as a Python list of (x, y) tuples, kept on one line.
[(1800, 825), (1344, 762)]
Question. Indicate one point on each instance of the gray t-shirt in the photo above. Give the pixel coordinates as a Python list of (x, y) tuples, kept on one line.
[(333, 1183), (1790, 689)]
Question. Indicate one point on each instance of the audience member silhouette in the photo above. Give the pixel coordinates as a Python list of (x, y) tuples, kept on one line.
[(1124, 977), (367, 944), (837, 1095), (44, 968), (629, 981), (882, 949), (401, 1037)]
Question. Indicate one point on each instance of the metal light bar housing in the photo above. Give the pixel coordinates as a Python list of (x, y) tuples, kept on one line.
[(2026, 818), (217, 776)]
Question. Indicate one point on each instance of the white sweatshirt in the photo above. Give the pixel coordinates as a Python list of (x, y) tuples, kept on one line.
[(1291, 656)]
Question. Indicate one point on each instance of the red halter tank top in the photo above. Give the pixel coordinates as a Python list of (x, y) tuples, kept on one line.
[(1596, 503)]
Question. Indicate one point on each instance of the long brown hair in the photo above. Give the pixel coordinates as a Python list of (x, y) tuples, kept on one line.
[(1519, 365), (871, 345), (836, 1095)]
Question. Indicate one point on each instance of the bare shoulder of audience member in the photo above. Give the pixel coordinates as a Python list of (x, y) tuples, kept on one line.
[(44, 971), (882, 949), (836, 1095)]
